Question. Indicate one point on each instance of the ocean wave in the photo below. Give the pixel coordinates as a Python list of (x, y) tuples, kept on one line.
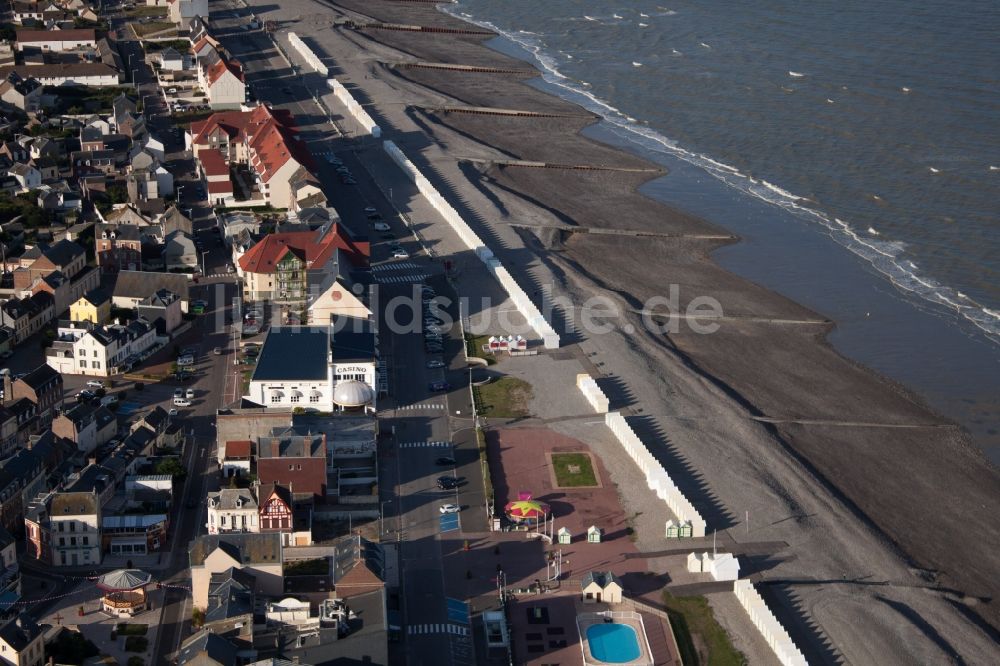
[(795, 75), (884, 255), (643, 25), (636, 63), (704, 44)]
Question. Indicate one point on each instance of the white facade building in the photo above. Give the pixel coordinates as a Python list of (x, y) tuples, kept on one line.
[(82, 348), (232, 510)]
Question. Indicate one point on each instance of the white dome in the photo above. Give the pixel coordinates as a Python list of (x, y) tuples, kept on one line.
[(352, 393)]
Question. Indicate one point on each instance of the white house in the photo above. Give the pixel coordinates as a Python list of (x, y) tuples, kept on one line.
[(179, 251), (223, 82), (601, 587), (27, 176), (83, 348), (171, 59), (22, 642), (721, 566), (57, 40), (182, 11), (318, 368), (232, 510)]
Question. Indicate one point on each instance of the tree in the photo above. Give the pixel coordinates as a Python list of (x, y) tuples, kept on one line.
[(171, 466), (117, 194)]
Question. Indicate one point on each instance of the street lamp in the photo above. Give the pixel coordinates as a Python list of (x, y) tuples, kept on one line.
[(204, 274)]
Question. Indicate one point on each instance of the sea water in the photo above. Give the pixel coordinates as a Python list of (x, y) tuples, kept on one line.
[(854, 147)]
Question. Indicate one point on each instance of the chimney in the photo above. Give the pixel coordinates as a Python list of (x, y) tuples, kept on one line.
[(8, 387), (275, 447)]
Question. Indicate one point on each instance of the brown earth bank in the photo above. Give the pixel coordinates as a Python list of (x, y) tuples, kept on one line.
[(891, 513)]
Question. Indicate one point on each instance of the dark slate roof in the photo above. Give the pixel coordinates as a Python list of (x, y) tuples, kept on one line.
[(353, 339), (140, 284), (41, 376), (230, 594), (97, 296), (214, 647), (19, 633), (64, 252), (294, 352), (244, 548)]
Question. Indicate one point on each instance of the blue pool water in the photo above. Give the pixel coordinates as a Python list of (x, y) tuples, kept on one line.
[(613, 643)]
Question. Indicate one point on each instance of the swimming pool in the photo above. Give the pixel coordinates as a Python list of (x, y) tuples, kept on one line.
[(613, 643)]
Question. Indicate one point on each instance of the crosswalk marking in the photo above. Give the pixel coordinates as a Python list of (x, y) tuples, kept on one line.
[(395, 267), (422, 445), (398, 279), (437, 628), (427, 405)]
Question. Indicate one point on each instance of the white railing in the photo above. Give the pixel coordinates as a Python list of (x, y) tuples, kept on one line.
[(772, 631), (472, 241), (593, 393), (307, 54), (656, 477), (354, 108)]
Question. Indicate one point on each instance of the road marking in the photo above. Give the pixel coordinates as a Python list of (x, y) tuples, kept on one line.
[(421, 405), (421, 445), (398, 279), (394, 267), (436, 628)]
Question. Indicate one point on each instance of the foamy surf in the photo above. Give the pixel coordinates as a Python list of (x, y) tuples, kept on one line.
[(905, 89), (636, 64), (643, 25), (795, 75), (882, 254), (933, 170), (704, 44)]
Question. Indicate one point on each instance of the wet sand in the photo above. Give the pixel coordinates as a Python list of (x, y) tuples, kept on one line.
[(888, 511)]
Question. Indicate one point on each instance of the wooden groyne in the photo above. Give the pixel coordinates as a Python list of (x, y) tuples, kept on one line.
[(473, 69)]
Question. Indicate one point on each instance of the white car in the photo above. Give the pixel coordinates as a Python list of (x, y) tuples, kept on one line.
[(189, 394), (178, 393), (382, 226), (93, 383), (182, 402), (172, 91), (109, 400), (400, 253), (450, 508), (185, 360)]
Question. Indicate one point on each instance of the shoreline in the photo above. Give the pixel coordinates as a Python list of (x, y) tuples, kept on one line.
[(716, 382)]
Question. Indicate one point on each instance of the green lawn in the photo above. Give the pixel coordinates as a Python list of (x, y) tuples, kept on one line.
[(474, 347), (143, 29), (574, 469), (138, 12), (506, 397), (317, 567), (125, 629), (700, 639)]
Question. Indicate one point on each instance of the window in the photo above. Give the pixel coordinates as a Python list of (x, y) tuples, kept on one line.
[(95, 353), (83, 352), (72, 541), (62, 541), (86, 541), (96, 365), (83, 363), (314, 398), (275, 397), (295, 397)]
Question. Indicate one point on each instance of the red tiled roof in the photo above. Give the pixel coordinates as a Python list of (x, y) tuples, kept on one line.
[(272, 142), (239, 449), (221, 187), (213, 162), (315, 251), (214, 72), (24, 36), (230, 122)]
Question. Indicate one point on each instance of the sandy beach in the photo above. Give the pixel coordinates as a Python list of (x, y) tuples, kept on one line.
[(888, 513)]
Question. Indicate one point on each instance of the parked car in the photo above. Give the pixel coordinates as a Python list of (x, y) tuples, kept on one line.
[(178, 393), (172, 412), (109, 400), (444, 460), (438, 386), (189, 394), (435, 363), (85, 395), (95, 383), (400, 253), (185, 360), (382, 226), (182, 402), (172, 91), (370, 209), (450, 508), (217, 351), (6, 354)]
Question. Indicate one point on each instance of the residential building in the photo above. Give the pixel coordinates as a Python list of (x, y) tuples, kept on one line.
[(174, 220), (215, 171), (28, 177), (231, 605), (134, 533), (10, 571), (235, 458), (64, 256), (26, 316), (21, 93), (163, 308), (118, 247), (256, 554), (206, 648), (296, 461), (22, 642), (319, 368), (88, 74), (171, 60), (280, 513), (180, 252), (87, 426), (289, 269), (232, 510), (222, 79), (64, 529), (82, 348), (57, 40), (43, 386), (182, 12), (94, 306), (131, 287)]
